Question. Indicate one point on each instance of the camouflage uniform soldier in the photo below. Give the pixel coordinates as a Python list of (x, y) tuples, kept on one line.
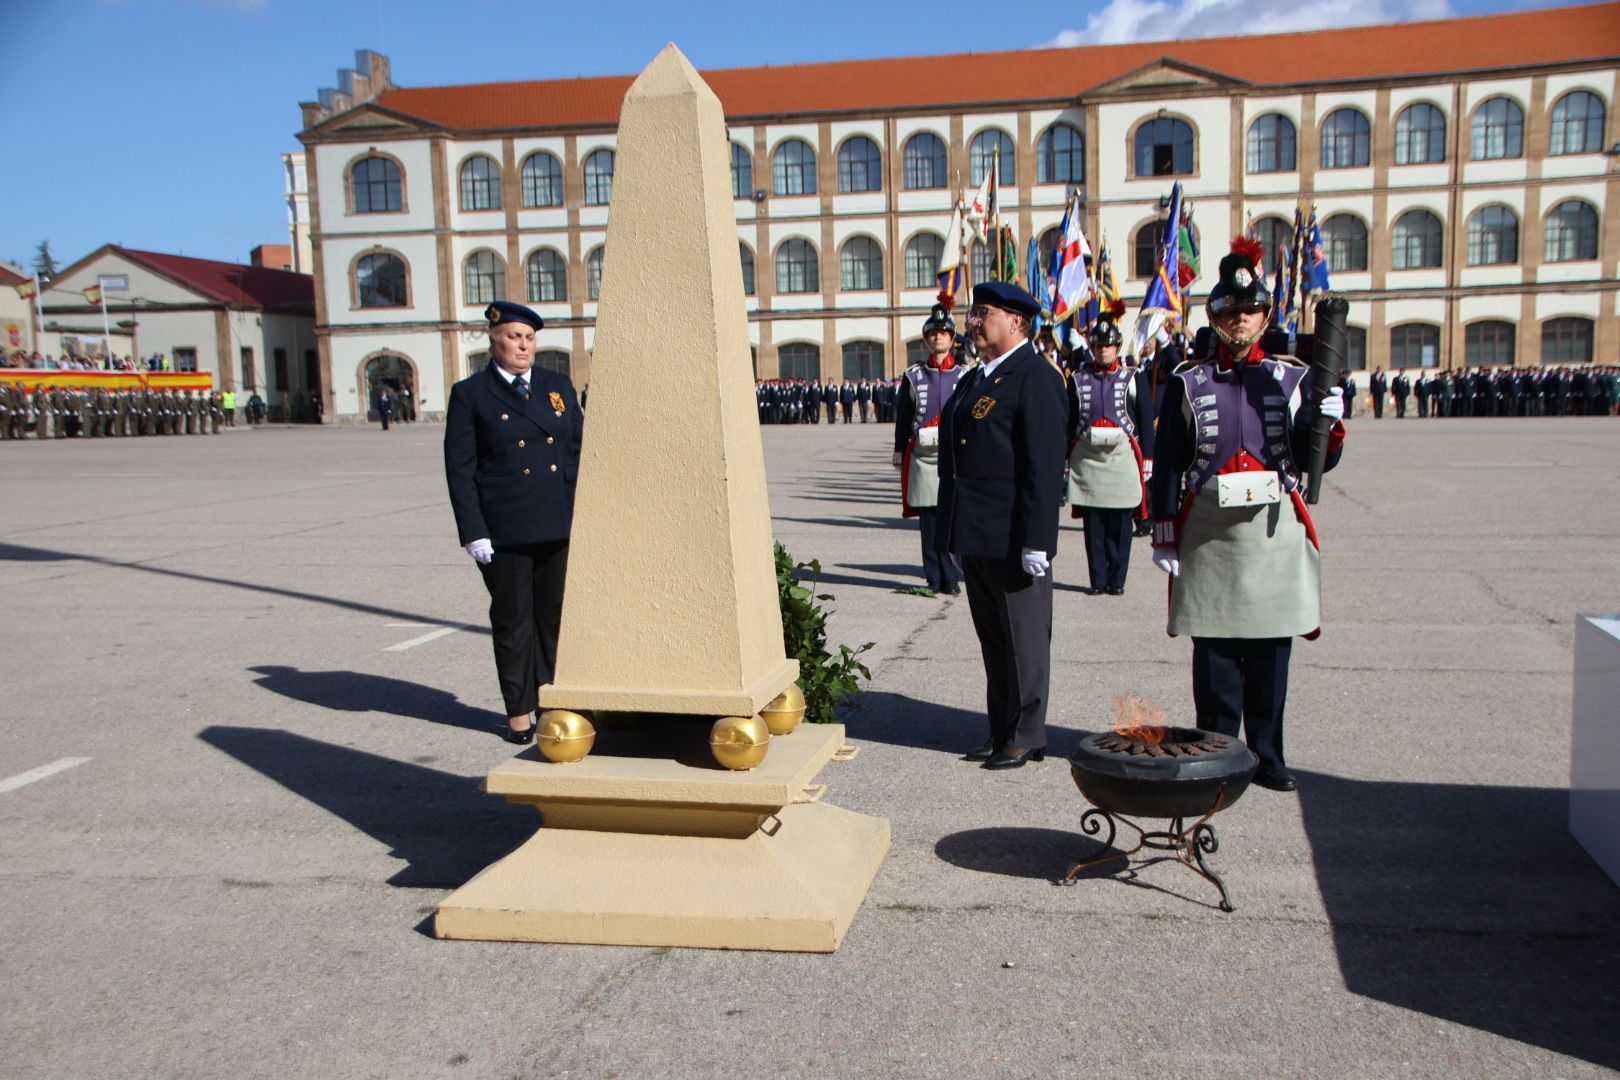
[(216, 411)]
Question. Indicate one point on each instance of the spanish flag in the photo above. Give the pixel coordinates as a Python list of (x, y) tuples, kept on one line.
[(92, 295), (27, 289)]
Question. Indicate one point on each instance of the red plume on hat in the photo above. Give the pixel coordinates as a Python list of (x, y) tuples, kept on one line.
[(1251, 248), (1116, 309)]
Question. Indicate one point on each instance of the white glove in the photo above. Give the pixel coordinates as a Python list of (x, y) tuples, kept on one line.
[(1035, 563), (1147, 468), (1333, 405), (898, 457), (482, 551), (1165, 559)]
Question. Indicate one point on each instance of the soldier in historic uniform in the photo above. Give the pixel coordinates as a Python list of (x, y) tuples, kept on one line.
[(1230, 523), (1110, 455), (923, 394)]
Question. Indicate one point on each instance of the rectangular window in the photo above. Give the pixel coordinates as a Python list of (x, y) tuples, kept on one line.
[(312, 371), (250, 378), (280, 361), (185, 359)]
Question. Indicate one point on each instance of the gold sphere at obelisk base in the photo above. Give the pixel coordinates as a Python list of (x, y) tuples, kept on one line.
[(785, 711), (739, 742), (564, 735)]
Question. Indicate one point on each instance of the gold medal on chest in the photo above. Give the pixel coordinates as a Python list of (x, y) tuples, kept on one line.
[(982, 407)]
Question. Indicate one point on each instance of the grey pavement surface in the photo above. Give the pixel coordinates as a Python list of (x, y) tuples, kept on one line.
[(238, 881)]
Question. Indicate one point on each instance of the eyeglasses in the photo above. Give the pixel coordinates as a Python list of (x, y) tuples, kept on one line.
[(977, 314)]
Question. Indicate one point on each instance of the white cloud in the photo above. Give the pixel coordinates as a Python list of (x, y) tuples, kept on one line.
[(1161, 20)]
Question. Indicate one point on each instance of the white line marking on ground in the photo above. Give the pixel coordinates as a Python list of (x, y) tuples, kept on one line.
[(412, 624), (24, 779), (425, 638)]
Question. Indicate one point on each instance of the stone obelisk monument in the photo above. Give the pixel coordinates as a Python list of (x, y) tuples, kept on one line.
[(671, 601), (671, 606)]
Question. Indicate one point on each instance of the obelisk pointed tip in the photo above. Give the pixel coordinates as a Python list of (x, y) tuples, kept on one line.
[(670, 72)]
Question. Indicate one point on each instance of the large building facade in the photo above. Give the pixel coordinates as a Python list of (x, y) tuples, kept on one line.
[(1466, 175)]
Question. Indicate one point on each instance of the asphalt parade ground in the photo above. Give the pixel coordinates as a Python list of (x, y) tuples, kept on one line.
[(247, 698)]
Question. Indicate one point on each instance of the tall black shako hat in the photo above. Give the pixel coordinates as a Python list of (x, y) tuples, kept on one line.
[(1105, 331), (939, 319), (1008, 297), (1242, 284), (504, 311)]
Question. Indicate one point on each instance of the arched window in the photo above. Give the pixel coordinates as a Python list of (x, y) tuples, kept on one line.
[(793, 168), (1418, 241), (483, 278), (1145, 250), (1493, 236), (1414, 345), (1577, 124), (1488, 342), (1572, 232), (923, 253), (1566, 341), (860, 165), (747, 255), (860, 265), (547, 274), (1164, 147), (376, 187), (542, 180), (480, 183), (1272, 144), (742, 172), (1498, 130), (553, 360), (797, 270), (1420, 135), (379, 281), (1346, 139), (863, 360), (593, 273), (1355, 348), (798, 360), (923, 162), (988, 146), (599, 177), (1060, 156), (979, 261), (1345, 237), (1276, 237)]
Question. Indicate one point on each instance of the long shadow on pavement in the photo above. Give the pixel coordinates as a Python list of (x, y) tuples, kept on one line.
[(905, 721), (1470, 903), (353, 691), (441, 825)]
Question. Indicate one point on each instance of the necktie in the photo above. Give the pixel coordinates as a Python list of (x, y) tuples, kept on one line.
[(522, 385)]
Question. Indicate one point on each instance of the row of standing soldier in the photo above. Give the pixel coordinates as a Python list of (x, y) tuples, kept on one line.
[(60, 412), (798, 401), (1553, 391)]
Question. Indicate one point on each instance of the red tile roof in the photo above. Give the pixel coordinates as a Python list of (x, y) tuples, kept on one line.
[(7, 277), (229, 283), (1478, 43)]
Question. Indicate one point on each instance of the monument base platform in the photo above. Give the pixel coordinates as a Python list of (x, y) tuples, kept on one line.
[(745, 701), (655, 851)]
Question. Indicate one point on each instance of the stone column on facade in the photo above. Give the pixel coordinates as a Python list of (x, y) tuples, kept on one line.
[(323, 328), (765, 363), (511, 199), (448, 347)]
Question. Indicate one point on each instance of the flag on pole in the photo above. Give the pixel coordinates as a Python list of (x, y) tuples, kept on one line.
[(1276, 317), (1162, 304), (1289, 320), (1009, 256), (92, 295), (984, 208), (1071, 283), (1035, 273), (1316, 262), (27, 289), (952, 270), (1187, 253)]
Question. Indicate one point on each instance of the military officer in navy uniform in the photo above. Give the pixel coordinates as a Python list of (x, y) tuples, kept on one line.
[(1230, 523), (924, 391), (1110, 455), (1002, 443), (511, 455)]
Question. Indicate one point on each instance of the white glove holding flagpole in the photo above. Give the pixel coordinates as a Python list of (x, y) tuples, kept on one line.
[(1165, 559), (1333, 405)]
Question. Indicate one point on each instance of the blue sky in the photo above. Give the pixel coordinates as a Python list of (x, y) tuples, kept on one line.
[(159, 124)]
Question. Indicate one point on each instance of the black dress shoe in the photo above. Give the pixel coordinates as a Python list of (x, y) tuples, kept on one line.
[(521, 738), (1087, 590), (982, 753), (951, 590), (1003, 760), (1276, 779), (1115, 592)]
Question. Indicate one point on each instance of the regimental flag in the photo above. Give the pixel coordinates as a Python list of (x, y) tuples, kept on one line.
[(92, 295), (1276, 317), (1009, 256), (952, 268), (1035, 274), (986, 204), (1071, 283), (1316, 262), (1289, 317), (1162, 305), (27, 289), (1187, 253)]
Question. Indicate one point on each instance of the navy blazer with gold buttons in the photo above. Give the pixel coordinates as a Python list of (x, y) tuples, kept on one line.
[(511, 464), (1002, 455)]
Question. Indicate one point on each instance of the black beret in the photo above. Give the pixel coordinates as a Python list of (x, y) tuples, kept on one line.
[(504, 311), (1008, 297)]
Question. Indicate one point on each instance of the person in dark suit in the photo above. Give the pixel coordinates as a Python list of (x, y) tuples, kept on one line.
[(1377, 385), (1002, 456), (511, 456)]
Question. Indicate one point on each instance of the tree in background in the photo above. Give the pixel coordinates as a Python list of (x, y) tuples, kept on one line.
[(44, 262)]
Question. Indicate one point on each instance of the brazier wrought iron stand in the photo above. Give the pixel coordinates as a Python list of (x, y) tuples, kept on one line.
[(1188, 846)]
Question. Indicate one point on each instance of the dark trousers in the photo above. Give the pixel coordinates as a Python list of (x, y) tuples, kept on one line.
[(1243, 683), (1108, 545), (832, 412), (1400, 408), (937, 568), (525, 583), (1012, 614), (1378, 406), (1423, 407), (849, 412)]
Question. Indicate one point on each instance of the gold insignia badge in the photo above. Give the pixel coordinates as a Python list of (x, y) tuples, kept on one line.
[(493, 314), (982, 407), (557, 403)]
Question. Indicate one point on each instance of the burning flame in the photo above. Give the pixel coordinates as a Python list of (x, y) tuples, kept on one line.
[(1139, 718)]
